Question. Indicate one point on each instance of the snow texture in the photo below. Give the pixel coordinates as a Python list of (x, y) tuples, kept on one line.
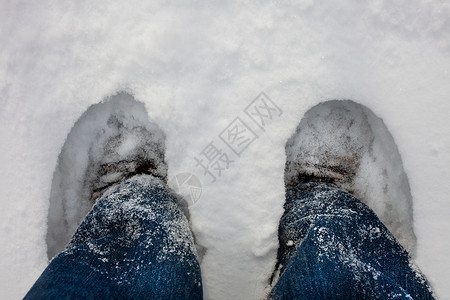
[(195, 66)]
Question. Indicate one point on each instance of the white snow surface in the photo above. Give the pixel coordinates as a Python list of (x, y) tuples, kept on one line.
[(196, 65)]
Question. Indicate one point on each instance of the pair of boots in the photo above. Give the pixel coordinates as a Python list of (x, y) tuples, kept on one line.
[(135, 241)]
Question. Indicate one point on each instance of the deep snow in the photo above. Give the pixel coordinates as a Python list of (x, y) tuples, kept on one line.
[(196, 66)]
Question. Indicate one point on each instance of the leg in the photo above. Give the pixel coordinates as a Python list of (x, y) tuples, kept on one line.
[(334, 246), (135, 243)]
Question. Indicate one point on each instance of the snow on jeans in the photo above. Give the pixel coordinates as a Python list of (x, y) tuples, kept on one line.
[(136, 244), (335, 247)]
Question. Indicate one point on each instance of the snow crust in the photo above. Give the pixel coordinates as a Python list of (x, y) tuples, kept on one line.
[(196, 65)]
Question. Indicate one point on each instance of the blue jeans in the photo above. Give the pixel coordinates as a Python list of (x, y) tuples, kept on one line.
[(332, 246), (136, 244)]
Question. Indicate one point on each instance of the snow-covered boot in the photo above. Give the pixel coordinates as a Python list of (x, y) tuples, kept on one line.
[(127, 148), (344, 143), (110, 142)]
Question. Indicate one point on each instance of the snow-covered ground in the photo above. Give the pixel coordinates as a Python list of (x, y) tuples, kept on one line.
[(196, 66)]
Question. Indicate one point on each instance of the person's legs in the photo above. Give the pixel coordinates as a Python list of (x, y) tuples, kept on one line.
[(334, 246), (134, 244)]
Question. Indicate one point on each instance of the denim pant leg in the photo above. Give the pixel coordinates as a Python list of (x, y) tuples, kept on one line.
[(336, 248), (134, 244)]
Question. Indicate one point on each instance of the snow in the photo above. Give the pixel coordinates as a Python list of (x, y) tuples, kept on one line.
[(196, 66)]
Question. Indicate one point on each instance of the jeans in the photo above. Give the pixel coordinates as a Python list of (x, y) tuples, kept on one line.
[(136, 244), (333, 246)]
